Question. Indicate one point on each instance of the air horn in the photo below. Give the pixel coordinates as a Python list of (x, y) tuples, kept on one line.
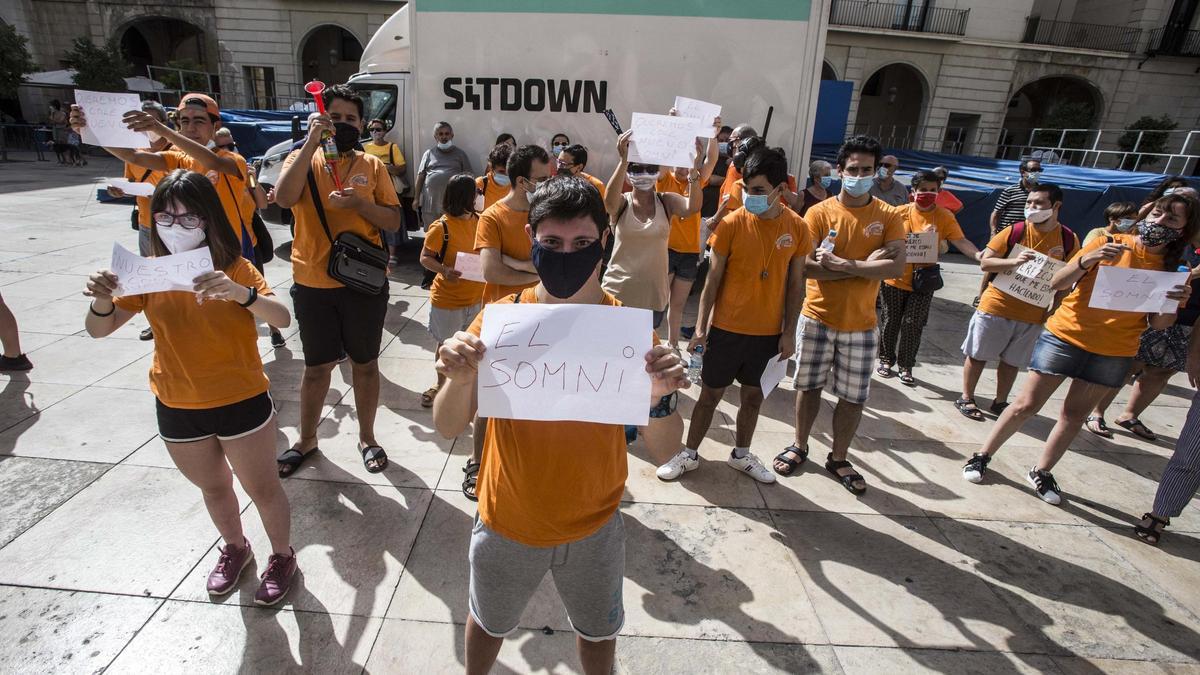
[(317, 89)]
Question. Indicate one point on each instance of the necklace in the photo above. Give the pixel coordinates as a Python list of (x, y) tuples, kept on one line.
[(768, 253)]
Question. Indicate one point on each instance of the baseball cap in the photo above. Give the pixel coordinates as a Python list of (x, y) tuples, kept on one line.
[(202, 100)]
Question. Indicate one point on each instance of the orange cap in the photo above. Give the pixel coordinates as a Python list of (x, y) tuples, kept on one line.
[(201, 99)]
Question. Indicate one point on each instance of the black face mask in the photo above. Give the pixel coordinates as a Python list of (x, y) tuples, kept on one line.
[(345, 136), (563, 274)]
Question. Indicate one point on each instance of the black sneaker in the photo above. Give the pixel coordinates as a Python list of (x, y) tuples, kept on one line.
[(976, 467), (15, 363), (277, 340), (1044, 484), (147, 334)]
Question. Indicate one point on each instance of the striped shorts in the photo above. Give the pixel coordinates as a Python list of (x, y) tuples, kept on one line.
[(850, 356)]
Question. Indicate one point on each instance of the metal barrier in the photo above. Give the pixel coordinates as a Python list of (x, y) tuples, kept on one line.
[(898, 16), (1082, 35), (231, 91), (34, 138)]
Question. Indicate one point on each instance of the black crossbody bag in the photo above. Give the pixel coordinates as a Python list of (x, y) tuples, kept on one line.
[(355, 261)]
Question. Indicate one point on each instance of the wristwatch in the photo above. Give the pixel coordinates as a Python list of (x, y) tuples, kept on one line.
[(666, 405)]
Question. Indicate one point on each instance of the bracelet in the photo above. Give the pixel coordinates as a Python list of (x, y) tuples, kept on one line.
[(253, 297), (92, 309), (1079, 262), (665, 406)]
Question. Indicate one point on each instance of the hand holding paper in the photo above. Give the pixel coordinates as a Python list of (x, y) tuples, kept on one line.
[(703, 112), (470, 266), (105, 125), (1134, 290), (178, 272), (663, 139), (922, 248), (131, 188)]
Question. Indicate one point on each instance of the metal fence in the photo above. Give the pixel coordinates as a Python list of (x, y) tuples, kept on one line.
[(1174, 41), (899, 16), (25, 138), (229, 91), (1083, 35)]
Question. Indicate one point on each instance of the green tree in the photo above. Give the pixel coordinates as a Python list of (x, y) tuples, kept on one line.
[(1151, 142), (191, 81), (97, 68), (1074, 115), (15, 60)]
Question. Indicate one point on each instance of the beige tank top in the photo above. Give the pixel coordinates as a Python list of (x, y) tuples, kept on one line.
[(637, 272)]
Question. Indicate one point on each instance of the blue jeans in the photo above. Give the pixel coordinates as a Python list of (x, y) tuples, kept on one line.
[(1053, 356)]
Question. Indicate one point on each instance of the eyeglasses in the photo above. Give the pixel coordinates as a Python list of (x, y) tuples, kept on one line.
[(888, 166), (228, 146), (377, 131), (188, 221)]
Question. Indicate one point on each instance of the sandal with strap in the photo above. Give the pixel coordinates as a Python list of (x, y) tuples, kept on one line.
[(969, 408), (1135, 427), (847, 480), (1151, 534), (884, 370), (428, 396), (291, 459), (472, 477), (374, 458), (906, 377), (1096, 425), (791, 463), (997, 407)]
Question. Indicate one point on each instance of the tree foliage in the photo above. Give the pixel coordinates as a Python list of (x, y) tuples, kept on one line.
[(97, 67), (1074, 115), (15, 60), (1150, 143)]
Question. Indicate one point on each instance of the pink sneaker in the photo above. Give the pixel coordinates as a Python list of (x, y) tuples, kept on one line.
[(277, 580), (225, 575)]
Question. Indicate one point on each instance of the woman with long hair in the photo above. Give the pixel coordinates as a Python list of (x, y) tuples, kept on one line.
[(212, 397), (1093, 347)]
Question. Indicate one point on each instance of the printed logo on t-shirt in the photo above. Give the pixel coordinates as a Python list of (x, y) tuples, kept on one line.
[(784, 241), (212, 177), (1056, 252), (359, 180), (875, 229)]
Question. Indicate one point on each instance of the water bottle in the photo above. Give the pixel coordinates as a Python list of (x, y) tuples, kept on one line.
[(696, 364), (828, 242), (329, 147)]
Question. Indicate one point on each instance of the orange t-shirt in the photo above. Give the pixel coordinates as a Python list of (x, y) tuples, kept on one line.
[(998, 303), (599, 184), (460, 293), (732, 176), (134, 174), (493, 191), (310, 247), (503, 229), (747, 303), (230, 189), (549, 483), (849, 304), (916, 220), (1105, 332), (685, 232), (205, 356)]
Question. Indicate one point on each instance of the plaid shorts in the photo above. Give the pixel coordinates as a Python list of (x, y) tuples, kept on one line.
[(850, 355)]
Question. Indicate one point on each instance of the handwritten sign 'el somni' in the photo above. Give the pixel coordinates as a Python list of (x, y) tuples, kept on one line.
[(583, 363), (1135, 290), (136, 275)]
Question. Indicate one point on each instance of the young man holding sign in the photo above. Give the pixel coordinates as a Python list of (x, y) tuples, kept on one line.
[(1092, 346), (907, 298), (549, 491), (1005, 326)]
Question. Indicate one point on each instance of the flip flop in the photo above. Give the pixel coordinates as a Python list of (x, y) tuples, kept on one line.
[(291, 459), (1135, 427), (1096, 425), (374, 453)]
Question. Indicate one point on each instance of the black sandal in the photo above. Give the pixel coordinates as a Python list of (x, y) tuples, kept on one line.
[(884, 370), (291, 459), (1135, 427), (1151, 534), (848, 480), (998, 407), (374, 454), (1096, 425), (790, 463), (972, 412), (906, 377), (472, 477)]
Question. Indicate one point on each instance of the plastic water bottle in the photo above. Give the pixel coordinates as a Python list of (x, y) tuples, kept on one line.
[(696, 364), (828, 242)]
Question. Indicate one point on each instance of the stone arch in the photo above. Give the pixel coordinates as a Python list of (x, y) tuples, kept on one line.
[(827, 71), (892, 104), (158, 39), (1034, 101), (329, 52)]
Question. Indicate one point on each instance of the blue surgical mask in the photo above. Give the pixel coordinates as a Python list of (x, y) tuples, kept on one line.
[(881, 173), (723, 147), (501, 179), (1171, 191), (1125, 224), (826, 181), (857, 186), (756, 204), (558, 147), (445, 146), (1033, 177)]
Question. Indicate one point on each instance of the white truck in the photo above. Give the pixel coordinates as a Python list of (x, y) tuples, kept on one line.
[(491, 67)]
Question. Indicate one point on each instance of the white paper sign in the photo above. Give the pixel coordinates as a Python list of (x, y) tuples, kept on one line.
[(583, 363), (922, 248), (774, 374), (104, 126), (702, 111), (131, 188), (136, 274), (1133, 290), (663, 139), (1031, 281), (471, 266)]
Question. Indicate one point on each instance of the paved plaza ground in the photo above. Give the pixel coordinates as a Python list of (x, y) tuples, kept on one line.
[(104, 546)]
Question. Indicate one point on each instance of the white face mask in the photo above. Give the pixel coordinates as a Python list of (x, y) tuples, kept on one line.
[(1125, 224), (180, 240), (1038, 216), (445, 146), (643, 181)]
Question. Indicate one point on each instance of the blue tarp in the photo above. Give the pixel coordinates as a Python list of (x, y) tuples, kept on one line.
[(257, 130)]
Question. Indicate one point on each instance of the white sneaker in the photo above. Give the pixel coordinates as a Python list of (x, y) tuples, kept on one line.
[(1045, 486), (753, 467), (678, 465)]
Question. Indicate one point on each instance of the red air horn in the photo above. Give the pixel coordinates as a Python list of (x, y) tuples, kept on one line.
[(317, 89)]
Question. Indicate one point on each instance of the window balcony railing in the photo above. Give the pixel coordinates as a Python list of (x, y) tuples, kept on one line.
[(913, 16), (1174, 41), (1041, 31)]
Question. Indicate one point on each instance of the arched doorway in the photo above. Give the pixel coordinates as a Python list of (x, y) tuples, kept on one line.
[(158, 41), (1057, 102), (827, 72), (329, 54), (891, 105)]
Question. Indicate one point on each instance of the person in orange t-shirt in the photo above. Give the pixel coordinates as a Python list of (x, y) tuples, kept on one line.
[(748, 310), (1004, 327), (905, 310), (860, 242), (573, 163), (1093, 347), (335, 320), (454, 301), (550, 491), (495, 184), (212, 397)]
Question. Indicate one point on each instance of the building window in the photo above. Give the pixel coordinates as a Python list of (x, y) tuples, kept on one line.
[(260, 87)]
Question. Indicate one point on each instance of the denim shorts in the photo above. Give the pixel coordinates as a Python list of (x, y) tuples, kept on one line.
[(1053, 356)]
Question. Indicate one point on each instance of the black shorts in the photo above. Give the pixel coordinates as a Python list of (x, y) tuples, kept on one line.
[(227, 422), (683, 265), (336, 321), (733, 356)]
